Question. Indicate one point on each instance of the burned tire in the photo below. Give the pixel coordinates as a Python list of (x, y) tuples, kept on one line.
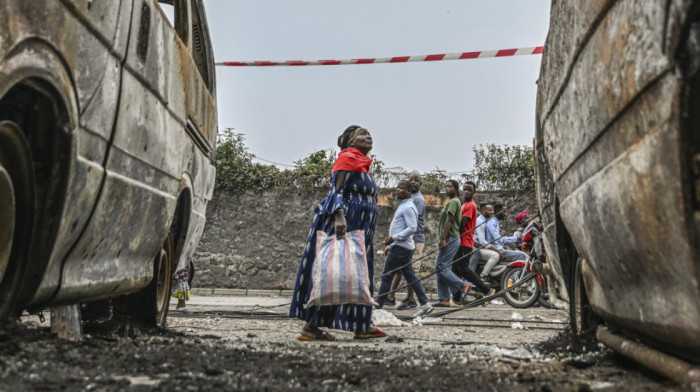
[(523, 296), (150, 305), (16, 214)]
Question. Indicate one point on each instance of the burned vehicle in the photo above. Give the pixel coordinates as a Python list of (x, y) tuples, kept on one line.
[(618, 173), (107, 130)]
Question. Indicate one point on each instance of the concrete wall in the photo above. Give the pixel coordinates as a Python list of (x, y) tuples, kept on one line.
[(255, 240)]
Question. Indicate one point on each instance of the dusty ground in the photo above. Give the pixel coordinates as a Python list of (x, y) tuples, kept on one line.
[(218, 344)]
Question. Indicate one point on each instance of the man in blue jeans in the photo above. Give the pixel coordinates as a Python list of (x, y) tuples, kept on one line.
[(494, 238), (400, 240)]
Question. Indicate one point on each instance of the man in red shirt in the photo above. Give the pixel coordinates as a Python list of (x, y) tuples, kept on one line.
[(466, 246)]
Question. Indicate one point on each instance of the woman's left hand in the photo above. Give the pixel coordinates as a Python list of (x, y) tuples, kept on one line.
[(340, 224)]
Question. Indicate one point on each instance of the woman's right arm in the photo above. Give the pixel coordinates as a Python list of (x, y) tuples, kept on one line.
[(340, 224)]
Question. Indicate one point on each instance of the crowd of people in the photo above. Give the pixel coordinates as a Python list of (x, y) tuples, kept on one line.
[(465, 238)]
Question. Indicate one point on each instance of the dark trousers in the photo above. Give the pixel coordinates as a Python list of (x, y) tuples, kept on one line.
[(398, 257), (461, 269)]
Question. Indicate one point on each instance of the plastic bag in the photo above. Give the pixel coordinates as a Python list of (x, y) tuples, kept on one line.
[(339, 275)]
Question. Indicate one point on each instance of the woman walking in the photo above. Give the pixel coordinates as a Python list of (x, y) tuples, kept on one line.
[(350, 205), (448, 232)]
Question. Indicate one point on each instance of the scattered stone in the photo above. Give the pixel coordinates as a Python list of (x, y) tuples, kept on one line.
[(394, 339)]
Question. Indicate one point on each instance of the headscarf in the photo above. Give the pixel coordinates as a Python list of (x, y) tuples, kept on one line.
[(348, 136), (521, 216), (352, 159)]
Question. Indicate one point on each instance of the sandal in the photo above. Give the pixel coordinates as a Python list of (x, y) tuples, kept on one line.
[(378, 333), (321, 336)]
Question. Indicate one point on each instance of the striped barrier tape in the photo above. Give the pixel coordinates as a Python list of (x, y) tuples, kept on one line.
[(400, 59)]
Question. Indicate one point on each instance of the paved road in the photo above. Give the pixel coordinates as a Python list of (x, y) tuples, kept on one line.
[(497, 324), (245, 341)]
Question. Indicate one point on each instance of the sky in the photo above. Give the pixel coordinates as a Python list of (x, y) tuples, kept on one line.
[(422, 116)]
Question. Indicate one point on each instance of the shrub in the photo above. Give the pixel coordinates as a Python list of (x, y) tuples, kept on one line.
[(503, 168)]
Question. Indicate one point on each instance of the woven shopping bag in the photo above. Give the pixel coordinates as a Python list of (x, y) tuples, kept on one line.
[(339, 274)]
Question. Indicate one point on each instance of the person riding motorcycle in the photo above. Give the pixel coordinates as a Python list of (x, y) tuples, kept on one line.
[(487, 252), (493, 235), (524, 225)]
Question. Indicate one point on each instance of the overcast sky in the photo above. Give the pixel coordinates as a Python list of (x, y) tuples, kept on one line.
[(422, 115)]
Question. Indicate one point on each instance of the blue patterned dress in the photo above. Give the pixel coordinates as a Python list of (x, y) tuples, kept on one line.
[(357, 197)]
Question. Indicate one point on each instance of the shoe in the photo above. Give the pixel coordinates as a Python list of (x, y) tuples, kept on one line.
[(389, 302), (490, 293), (424, 310), (457, 297), (406, 304), (378, 306), (378, 333), (322, 336)]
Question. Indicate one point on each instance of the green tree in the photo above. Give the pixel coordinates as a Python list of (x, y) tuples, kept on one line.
[(435, 180), (314, 170), (235, 169), (503, 167)]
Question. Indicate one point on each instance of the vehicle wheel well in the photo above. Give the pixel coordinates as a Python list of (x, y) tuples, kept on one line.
[(36, 107)]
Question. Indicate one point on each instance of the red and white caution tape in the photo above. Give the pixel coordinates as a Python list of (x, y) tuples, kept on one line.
[(401, 59)]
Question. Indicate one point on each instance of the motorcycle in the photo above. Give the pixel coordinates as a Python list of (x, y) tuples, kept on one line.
[(530, 292), (495, 275)]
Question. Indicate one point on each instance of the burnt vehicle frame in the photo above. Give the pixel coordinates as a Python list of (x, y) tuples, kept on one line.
[(107, 134), (617, 152)]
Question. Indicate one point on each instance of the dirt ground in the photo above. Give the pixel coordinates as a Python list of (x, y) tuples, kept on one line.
[(226, 344)]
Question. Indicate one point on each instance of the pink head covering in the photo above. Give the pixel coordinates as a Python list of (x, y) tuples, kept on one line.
[(521, 216)]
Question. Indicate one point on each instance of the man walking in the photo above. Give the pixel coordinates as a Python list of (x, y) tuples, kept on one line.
[(419, 241), (467, 224), (400, 240)]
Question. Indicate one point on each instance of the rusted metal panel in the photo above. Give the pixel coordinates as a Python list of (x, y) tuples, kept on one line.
[(130, 120), (138, 199), (634, 237), (151, 155), (647, 115), (101, 17), (612, 147), (54, 25), (51, 43), (578, 19), (96, 124), (622, 56)]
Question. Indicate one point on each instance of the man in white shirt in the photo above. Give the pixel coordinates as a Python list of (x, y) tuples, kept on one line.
[(489, 253)]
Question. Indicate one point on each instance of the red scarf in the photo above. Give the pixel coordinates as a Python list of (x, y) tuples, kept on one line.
[(351, 159)]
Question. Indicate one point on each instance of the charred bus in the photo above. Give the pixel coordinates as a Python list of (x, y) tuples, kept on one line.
[(107, 131), (618, 173)]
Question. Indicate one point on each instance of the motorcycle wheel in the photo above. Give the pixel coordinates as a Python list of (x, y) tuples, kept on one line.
[(523, 296)]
